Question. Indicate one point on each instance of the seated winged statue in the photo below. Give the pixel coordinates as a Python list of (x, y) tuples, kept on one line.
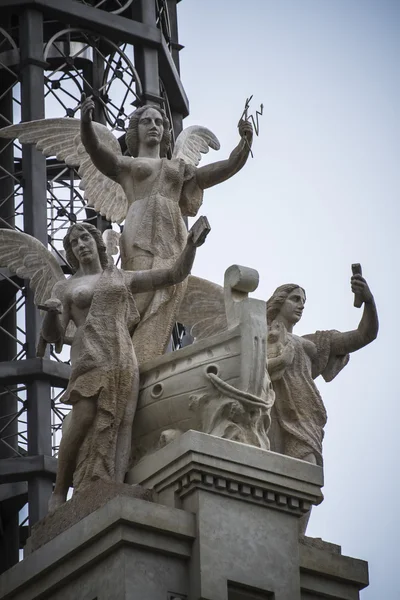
[(151, 192), (99, 300)]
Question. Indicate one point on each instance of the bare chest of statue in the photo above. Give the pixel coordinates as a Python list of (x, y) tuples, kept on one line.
[(80, 292), (145, 168), (149, 176)]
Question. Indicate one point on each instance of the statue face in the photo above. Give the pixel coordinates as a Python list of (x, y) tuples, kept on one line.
[(83, 246), (292, 308), (151, 128)]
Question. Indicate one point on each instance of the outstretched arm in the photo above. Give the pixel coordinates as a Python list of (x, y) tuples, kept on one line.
[(220, 171), (103, 158), (153, 279), (367, 330)]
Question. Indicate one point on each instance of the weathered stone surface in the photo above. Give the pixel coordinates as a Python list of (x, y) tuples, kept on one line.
[(94, 496), (247, 503), (127, 549), (320, 544), (196, 460), (298, 415), (98, 302), (218, 385), (325, 573), (226, 530), (157, 193)]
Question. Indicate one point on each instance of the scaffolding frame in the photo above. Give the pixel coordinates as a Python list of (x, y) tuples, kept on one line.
[(125, 53)]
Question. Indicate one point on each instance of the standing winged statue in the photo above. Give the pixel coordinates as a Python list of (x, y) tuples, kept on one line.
[(298, 415), (150, 192), (98, 300)]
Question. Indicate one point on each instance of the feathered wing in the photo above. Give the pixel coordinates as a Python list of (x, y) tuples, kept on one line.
[(203, 308), (194, 141), (61, 138), (25, 256)]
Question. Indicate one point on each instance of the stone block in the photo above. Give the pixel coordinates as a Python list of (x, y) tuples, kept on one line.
[(325, 573), (223, 526), (247, 529), (127, 549), (81, 504)]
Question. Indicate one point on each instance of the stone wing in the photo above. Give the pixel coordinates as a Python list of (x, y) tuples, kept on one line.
[(194, 141), (202, 309), (61, 138), (25, 256)]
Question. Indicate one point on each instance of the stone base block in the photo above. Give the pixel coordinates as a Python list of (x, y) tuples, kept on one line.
[(325, 573), (247, 503), (223, 526), (81, 505), (128, 549)]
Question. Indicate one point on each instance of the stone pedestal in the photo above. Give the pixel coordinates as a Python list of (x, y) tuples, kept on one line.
[(128, 549), (223, 525), (247, 503)]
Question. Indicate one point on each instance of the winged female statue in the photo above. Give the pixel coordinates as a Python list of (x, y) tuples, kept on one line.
[(150, 192), (298, 416), (104, 382)]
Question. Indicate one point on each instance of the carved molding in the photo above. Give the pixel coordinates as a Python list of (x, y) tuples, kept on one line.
[(257, 494)]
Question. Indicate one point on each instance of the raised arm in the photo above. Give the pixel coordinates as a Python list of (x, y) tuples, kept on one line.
[(106, 161), (367, 330), (153, 279), (222, 170)]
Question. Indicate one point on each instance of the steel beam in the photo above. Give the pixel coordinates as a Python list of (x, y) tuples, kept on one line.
[(87, 17), (16, 491), (147, 58), (31, 477), (35, 223), (177, 115), (9, 547), (119, 29), (13, 497), (28, 468), (25, 371)]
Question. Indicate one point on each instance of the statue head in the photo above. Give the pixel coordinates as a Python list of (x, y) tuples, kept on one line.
[(95, 235), (288, 301), (149, 124)]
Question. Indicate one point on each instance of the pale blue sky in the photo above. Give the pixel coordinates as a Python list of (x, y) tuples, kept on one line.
[(321, 193)]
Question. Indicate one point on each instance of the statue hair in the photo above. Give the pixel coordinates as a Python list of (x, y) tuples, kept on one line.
[(96, 235), (275, 303), (132, 135)]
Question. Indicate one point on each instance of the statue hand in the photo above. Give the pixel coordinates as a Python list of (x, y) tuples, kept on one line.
[(359, 286), (87, 108), (277, 334), (279, 345), (52, 305), (288, 354), (246, 130)]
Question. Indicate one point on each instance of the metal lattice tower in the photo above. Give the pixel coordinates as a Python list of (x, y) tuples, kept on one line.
[(125, 54)]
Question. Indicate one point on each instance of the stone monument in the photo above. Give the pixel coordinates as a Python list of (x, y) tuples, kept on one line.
[(148, 191), (194, 472), (104, 382)]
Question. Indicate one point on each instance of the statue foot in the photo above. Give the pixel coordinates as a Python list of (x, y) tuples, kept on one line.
[(56, 500)]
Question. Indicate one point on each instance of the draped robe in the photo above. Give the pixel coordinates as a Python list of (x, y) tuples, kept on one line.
[(299, 415)]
